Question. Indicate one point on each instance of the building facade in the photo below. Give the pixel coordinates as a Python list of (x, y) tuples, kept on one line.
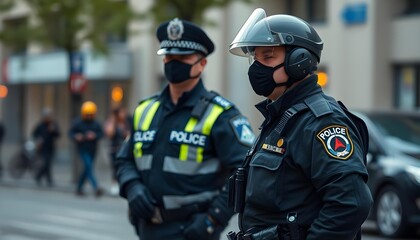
[(371, 57)]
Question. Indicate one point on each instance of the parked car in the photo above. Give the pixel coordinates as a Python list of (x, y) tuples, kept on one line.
[(394, 171)]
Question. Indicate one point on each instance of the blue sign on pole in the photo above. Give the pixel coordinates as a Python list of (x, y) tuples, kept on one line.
[(76, 66), (355, 13), (77, 81)]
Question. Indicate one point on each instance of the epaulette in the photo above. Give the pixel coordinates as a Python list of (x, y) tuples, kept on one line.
[(221, 101), (149, 98), (206, 99), (318, 105)]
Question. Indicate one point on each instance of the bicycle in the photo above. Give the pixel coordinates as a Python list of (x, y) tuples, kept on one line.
[(24, 160)]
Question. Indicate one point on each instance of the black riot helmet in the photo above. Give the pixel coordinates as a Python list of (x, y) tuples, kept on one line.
[(276, 30), (303, 43)]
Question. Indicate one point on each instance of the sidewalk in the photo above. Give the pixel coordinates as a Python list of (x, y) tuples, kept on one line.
[(62, 176)]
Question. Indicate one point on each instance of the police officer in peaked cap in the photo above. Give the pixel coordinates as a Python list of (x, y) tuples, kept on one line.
[(184, 145), (305, 177)]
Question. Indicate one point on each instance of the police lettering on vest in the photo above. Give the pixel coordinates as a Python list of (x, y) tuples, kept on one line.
[(144, 136), (181, 137)]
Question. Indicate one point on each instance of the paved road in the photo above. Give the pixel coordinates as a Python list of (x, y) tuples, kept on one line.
[(45, 215), (30, 214)]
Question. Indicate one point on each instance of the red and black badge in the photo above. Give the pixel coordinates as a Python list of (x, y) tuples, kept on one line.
[(336, 141)]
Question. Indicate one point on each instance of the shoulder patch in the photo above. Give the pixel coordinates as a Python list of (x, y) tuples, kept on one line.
[(337, 142), (242, 129), (221, 101)]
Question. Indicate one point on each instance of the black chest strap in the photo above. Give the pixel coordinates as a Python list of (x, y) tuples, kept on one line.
[(202, 105), (316, 103), (288, 114)]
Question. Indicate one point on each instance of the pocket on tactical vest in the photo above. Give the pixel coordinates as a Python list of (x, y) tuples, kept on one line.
[(263, 180)]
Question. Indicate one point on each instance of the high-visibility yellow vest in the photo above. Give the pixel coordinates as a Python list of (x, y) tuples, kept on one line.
[(143, 117)]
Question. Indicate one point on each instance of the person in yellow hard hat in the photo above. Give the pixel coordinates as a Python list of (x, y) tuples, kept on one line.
[(86, 132)]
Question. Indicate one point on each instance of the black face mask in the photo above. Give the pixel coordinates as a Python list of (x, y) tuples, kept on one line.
[(177, 72), (262, 79)]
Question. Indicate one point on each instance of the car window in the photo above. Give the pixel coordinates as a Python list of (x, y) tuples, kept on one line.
[(373, 147), (402, 132)]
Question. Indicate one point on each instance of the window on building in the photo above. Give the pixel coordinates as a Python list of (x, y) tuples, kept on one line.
[(407, 87), (117, 36), (15, 42), (309, 10), (412, 7)]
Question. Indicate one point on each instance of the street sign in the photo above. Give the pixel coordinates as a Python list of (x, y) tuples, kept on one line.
[(77, 62), (355, 13), (77, 81)]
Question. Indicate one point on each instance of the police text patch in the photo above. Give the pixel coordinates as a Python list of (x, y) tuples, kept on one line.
[(242, 130), (144, 136), (336, 141), (181, 137)]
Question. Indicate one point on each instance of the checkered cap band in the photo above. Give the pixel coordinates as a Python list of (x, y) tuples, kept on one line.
[(184, 44)]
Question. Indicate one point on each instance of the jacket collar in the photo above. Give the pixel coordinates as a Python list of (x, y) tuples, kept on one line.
[(273, 109), (188, 99)]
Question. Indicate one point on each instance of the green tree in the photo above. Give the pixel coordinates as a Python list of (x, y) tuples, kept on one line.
[(190, 10), (66, 24)]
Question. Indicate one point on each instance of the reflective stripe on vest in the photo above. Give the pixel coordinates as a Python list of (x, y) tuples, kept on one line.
[(192, 168), (174, 202), (143, 116), (204, 126)]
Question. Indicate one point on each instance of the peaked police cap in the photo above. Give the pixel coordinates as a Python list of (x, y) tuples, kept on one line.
[(180, 37)]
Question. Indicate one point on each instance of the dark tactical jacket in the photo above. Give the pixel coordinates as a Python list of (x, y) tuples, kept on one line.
[(313, 171)]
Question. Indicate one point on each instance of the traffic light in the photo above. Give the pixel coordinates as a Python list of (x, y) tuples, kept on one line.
[(322, 79), (3, 91)]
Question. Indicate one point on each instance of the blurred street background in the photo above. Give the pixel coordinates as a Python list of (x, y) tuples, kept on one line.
[(54, 215), (57, 54)]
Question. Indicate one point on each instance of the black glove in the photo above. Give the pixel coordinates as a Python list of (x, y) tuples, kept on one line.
[(141, 202), (201, 228)]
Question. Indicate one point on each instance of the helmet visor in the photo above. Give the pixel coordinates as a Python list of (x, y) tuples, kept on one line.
[(255, 32)]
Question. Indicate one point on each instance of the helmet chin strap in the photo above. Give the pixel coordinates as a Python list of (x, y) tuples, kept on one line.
[(288, 83)]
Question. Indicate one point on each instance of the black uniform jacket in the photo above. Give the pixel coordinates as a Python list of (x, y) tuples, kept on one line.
[(47, 133), (81, 126), (202, 176), (314, 171)]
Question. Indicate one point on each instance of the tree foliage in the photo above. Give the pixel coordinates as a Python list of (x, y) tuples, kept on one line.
[(191, 10), (66, 24)]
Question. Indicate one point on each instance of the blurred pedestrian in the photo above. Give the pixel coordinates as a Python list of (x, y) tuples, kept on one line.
[(2, 133), (185, 142), (117, 127), (45, 134), (86, 132)]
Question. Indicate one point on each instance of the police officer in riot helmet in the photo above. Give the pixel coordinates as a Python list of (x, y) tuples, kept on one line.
[(305, 177), (184, 145)]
